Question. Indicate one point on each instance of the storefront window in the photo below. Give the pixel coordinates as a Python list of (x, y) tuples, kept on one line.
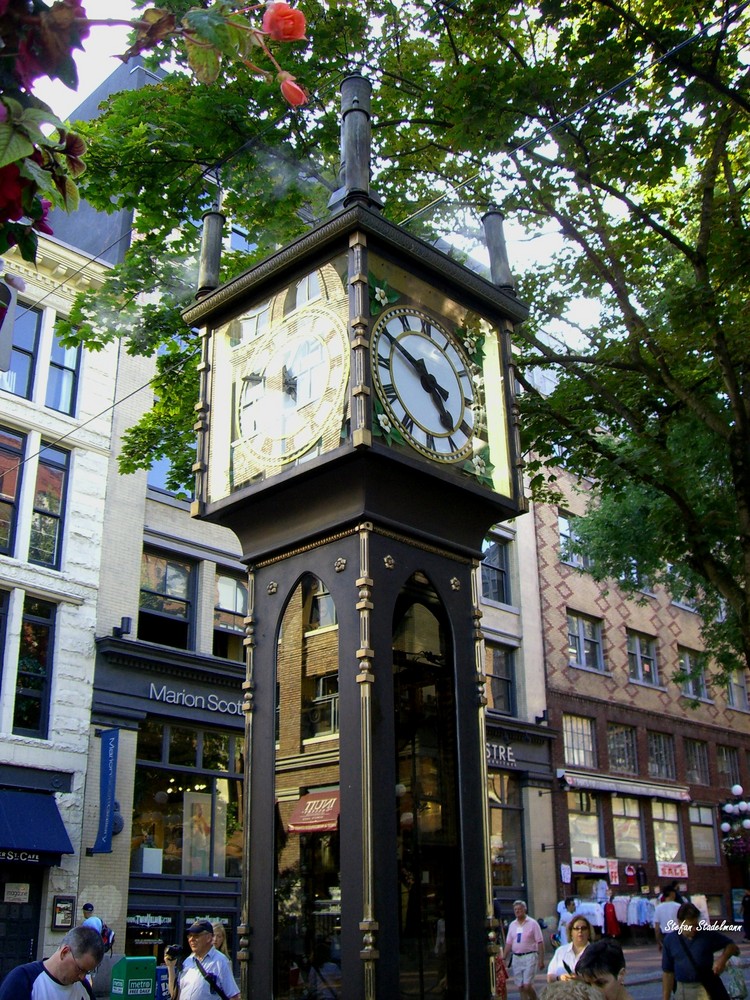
[(584, 825), (187, 818), (506, 847), (626, 821), (666, 831)]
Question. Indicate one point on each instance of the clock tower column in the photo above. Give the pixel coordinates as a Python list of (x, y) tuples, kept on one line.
[(357, 433)]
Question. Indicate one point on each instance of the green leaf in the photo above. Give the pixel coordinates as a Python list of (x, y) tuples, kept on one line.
[(14, 145), (204, 60)]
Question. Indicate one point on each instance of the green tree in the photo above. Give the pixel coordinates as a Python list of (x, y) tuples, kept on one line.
[(619, 128)]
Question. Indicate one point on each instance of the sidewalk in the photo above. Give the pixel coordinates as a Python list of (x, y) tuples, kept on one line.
[(643, 962)]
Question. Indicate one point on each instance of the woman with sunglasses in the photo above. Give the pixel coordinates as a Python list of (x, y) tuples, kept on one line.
[(565, 959)]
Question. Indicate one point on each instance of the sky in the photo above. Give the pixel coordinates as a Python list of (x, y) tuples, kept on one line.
[(97, 60)]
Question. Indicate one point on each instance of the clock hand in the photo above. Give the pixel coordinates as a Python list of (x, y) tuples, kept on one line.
[(419, 366), (289, 383)]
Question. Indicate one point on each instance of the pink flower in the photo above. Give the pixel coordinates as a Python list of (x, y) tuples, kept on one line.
[(292, 92), (283, 23)]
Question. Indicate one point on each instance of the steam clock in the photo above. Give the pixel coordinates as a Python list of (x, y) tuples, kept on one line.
[(356, 431)]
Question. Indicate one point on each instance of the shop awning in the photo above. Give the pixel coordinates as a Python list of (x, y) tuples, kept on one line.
[(624, 786), (31, 828), (317, 812)]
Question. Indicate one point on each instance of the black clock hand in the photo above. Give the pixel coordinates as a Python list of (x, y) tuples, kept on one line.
[(429, 382), (289, 383), (445, 418)]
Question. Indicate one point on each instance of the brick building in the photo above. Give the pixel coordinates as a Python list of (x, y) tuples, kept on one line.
[(642, 760)]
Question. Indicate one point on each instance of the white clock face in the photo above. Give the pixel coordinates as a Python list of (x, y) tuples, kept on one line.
[(291, 389), (423, 379)]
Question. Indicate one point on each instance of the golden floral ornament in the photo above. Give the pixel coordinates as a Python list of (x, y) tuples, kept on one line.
[(340, 565), (455, 583), (389, 562), (272, 587)]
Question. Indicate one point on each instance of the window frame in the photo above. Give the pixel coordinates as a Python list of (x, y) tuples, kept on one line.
[(661, 761), (567, 534), (579, 741), (635, 815), (630, 734), (594, 810), (696, 762), (692, 663), (737, 693), (703, 817), (43, 692), (238, 630), (637, 657), (60, 366), (659, 810), (17, 456), (579, 642), (731, 773), (506, 680), (22, 310), (190, 602), (495, 577), (57, 518)]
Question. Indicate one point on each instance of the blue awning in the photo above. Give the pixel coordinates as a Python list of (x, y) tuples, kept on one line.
[(31, 822)]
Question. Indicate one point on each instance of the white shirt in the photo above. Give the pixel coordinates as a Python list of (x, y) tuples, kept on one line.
[(564, 954), (193, 986), (663, 913)]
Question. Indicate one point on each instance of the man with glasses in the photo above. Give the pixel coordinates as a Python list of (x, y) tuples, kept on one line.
[(63, 974), (206, 973)]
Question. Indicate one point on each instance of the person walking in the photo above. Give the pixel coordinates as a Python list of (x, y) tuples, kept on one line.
[(565, 959), (205, 973), (665, 914), (525, 942), (687, 959), (62, 975)]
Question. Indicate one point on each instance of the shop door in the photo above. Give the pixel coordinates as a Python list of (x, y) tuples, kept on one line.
[(20, 902)]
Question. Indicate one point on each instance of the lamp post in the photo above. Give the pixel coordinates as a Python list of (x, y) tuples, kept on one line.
[(735, 826)]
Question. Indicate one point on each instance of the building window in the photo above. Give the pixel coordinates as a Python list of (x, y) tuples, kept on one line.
[(500, 669), (187, 802), (495, 575), (661, 757), (62, 379), (585, 642), (584, 825), (703, 835), (626, 823), (568, 538), (318, 607), (230, 610), (506, 843), (666, 831), (728, 765), (321, 712), (45, 542), (26, 328), (642, 658), (696, 762), (693, 673), (35, 658), (578, 741), (622, 749), (11, 463), (306, 290), (737, 691), (166, 600)]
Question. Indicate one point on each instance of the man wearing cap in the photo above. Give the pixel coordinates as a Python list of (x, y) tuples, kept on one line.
[(206, 973)]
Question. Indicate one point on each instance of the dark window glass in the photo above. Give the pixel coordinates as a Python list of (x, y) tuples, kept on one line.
[(500, 671), (11, 463), (49, 503), (166, 600), (230, 609), (495, 576), (31, 709)]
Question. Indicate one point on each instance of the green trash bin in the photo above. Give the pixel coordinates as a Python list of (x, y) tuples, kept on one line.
[(133, 977)]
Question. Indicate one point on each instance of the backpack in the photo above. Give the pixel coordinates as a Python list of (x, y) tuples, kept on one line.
[(108, 938)]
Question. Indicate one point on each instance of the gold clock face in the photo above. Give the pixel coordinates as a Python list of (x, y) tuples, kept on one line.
[(290, 387), (422, 376)]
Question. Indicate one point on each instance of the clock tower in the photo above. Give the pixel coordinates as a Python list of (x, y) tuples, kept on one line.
[(357, 432)]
